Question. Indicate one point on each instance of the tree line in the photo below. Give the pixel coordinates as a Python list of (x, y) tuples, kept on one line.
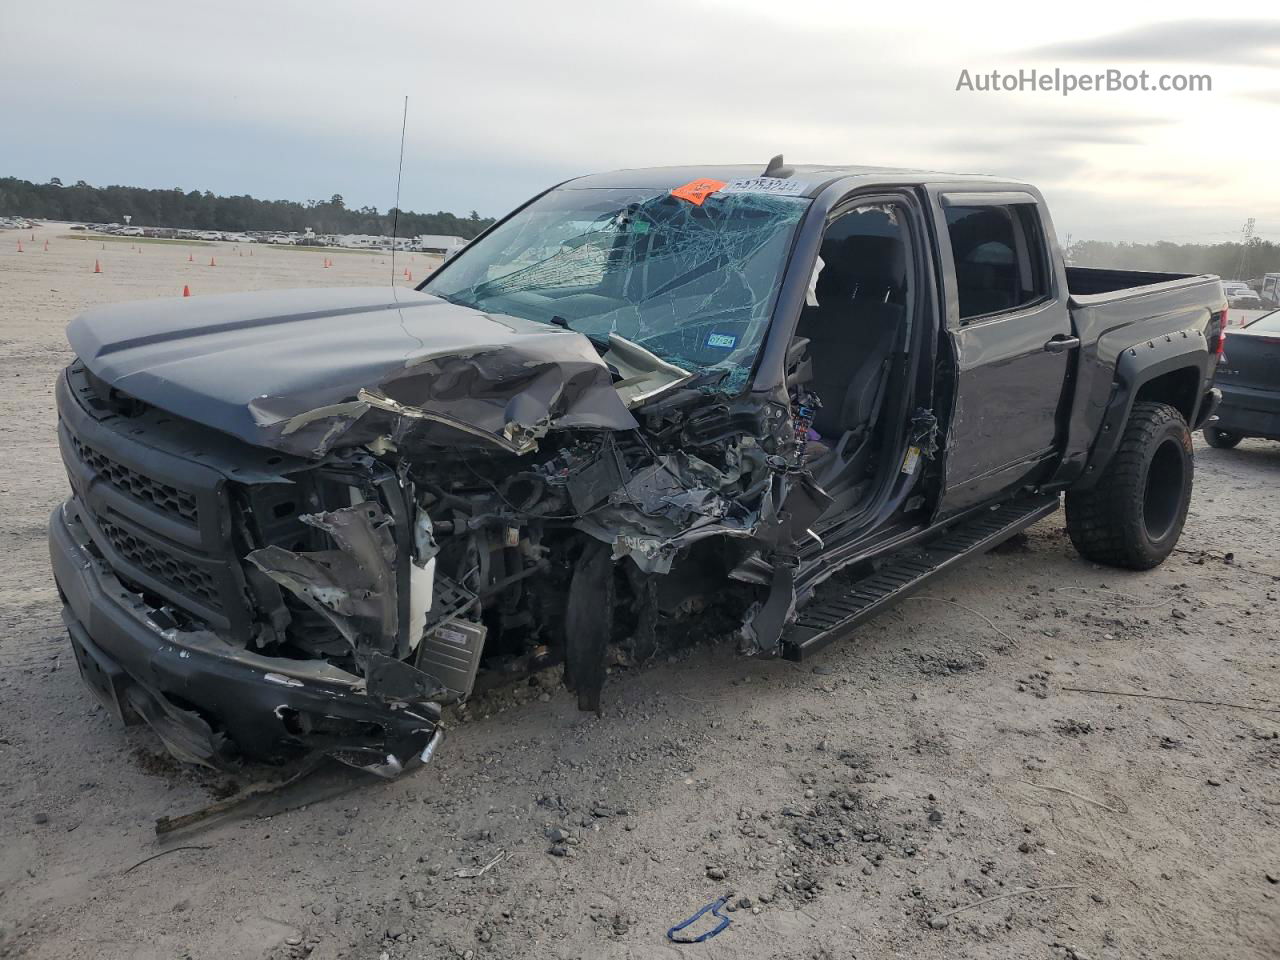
[(1230, 261), (197, 210)]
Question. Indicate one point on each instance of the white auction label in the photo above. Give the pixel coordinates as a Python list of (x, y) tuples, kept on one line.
[(778, 186)]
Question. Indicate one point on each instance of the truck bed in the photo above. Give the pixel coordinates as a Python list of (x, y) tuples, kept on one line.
[(1089, 281), (1113, 309), (1169, 316)]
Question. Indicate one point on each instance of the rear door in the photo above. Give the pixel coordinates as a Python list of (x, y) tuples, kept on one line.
[(1011, 335)]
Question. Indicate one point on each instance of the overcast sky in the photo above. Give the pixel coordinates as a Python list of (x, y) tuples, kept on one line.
[(300, 100)]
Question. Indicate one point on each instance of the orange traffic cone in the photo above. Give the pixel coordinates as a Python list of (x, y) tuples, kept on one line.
[(46, 246), (186, 290), (211, 263), (408, 276), (19, 246), (191, 258), (97, 267)]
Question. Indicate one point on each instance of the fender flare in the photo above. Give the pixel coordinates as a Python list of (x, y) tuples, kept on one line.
[(1136, 366)]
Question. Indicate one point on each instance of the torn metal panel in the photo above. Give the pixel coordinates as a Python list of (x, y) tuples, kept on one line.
[(396, 681), (762, 627), (354, 587), (589, 624), (643, 374), (662, 508), (185, 733)]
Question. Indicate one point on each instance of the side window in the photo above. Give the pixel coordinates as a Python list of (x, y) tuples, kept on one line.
[(1000, 257)]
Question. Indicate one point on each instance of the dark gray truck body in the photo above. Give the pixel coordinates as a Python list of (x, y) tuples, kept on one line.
[(261, 483)]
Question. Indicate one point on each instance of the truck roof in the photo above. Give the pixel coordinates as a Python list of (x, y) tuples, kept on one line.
[(814, 177)]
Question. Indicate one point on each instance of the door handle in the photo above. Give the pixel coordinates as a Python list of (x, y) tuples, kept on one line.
[(1062, 343)]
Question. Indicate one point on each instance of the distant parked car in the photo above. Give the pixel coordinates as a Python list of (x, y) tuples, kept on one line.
[(1249, 378), (1244, 299)]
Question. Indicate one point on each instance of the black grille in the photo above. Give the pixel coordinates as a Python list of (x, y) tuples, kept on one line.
[(164, 566), (168, 498)]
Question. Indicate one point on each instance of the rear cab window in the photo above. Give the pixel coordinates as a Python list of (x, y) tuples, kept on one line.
[(1000, 255)]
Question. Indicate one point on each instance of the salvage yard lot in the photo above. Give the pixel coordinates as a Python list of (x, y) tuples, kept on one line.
[(938, 759)]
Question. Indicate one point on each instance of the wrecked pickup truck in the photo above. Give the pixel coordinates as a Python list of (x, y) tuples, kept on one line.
[(645, 402)]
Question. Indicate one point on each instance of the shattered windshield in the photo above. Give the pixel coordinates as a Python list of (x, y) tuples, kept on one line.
[(692, 283)]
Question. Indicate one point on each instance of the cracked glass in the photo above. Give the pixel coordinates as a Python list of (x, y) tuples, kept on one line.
[(694, 284)]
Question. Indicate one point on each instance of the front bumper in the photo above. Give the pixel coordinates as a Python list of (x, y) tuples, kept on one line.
[(210, 701)]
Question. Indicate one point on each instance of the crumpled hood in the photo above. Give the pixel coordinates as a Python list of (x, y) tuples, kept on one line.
[(304, 370)]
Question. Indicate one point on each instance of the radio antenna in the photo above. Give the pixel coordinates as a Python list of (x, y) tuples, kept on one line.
[(395, 215)]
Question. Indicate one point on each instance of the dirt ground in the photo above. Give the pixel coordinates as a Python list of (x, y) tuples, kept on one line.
[(939, 758)]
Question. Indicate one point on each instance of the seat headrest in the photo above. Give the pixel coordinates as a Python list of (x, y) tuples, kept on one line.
[(867, 267), (875, 265)]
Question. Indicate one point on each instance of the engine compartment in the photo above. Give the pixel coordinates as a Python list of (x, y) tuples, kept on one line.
[(365, 555)]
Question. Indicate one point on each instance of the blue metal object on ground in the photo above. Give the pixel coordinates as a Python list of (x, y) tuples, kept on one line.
[(714, 908)]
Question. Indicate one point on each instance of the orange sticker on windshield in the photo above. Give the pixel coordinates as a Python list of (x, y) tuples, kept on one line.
[(695, 191)]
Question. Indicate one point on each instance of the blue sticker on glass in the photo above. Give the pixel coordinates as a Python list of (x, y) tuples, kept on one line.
[(724, 341)]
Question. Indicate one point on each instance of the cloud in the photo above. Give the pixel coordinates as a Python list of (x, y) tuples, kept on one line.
[(1091, 122), (1226, 42), (302, 99), (1021, 160)]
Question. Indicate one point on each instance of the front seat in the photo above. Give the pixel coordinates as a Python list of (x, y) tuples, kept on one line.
[(853, 331)]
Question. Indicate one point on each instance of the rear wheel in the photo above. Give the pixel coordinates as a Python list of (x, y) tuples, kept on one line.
[(1220, 439), (1134, 515)]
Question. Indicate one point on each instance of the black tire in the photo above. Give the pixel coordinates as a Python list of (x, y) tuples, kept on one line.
[(1220, 439), (1133, 517)]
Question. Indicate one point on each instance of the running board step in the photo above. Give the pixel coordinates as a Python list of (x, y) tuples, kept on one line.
[(836, 610)]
